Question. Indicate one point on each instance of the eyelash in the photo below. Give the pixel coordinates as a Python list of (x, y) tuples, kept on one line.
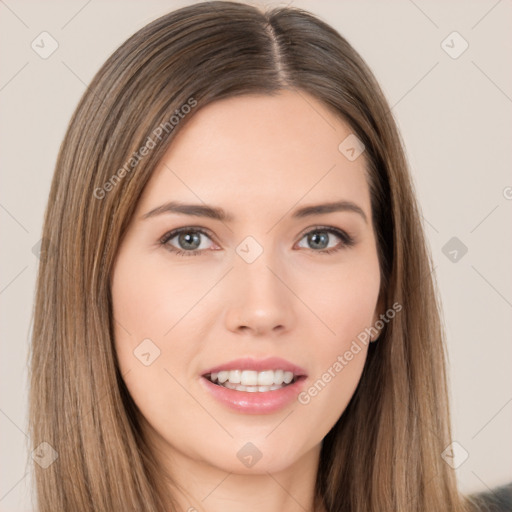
[(346, 240)]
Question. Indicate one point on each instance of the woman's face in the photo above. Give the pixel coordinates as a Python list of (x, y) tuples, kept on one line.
[(257, 284)]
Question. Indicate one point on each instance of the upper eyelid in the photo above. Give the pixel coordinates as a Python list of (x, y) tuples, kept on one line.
[(174, 232), (323, 228)]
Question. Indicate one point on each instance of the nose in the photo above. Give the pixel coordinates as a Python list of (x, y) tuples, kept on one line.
[(261, 300)]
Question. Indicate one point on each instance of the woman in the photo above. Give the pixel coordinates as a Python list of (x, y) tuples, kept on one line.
[(269, 372)]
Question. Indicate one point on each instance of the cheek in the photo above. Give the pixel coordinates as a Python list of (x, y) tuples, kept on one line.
[(151, 302), (150, 347), (346, 304), (339, 362), (344, 299), (145, 308), (152, 294), (138, 293), (329, 391)]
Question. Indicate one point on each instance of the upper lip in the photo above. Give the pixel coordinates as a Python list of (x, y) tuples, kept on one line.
[(259, 365)]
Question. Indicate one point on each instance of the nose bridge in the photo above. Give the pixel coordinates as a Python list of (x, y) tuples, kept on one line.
[(256, 266), (261, 301), (258, 275)]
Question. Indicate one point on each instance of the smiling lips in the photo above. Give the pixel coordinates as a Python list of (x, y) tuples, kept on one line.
[(255, 386), (272, 372)]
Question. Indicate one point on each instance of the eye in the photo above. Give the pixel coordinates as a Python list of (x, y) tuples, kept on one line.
[(188, 238), (319, 239)]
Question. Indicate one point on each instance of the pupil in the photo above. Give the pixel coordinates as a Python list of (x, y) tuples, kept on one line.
[(314, 239), (185, 238)]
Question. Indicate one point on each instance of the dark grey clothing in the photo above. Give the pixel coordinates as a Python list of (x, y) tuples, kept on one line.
[(495, 500)]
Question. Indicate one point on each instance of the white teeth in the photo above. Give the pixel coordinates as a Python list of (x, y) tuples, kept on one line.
[(235, 376), (266, 378), (251, 389), (250, 380), (278, 377), (223, 377), (288, 376)]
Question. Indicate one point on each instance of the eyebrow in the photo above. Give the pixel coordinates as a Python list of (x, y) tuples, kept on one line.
[(217, 213)]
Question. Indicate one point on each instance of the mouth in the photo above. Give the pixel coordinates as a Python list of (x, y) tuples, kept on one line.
[(254, 381), (249, 386)]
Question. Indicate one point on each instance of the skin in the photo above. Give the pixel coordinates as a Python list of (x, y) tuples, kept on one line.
[(259, 158)]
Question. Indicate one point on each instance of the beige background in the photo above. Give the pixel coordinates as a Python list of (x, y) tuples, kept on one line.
[(455, 119)]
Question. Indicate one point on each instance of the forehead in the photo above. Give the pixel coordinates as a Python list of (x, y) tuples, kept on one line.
[(253, 152)]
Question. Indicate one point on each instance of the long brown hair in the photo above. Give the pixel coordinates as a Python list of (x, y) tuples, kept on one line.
[(384, 453)]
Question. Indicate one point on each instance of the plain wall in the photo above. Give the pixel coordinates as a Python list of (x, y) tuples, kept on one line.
[(455, 119)]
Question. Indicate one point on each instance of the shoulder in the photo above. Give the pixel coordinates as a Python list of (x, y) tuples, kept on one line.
[(498, 499)]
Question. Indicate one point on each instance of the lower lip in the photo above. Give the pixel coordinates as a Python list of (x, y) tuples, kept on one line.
[(257, 402)]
